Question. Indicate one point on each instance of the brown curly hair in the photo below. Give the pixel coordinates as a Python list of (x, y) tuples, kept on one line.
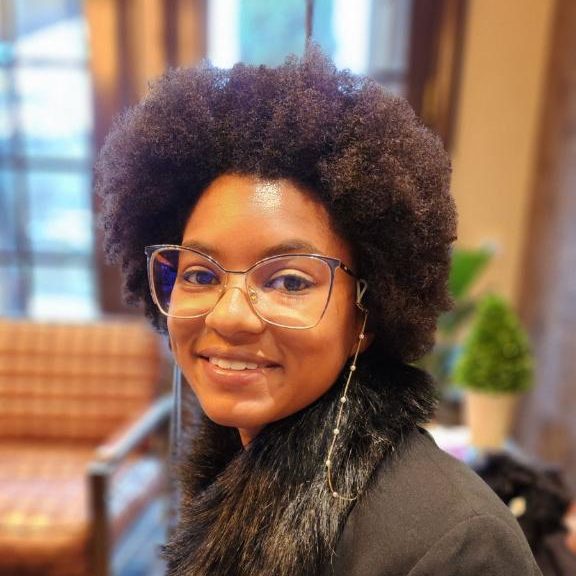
[(382, 176)]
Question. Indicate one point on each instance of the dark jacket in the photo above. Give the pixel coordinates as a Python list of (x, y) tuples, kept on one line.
[(267, 511), (428, 514)]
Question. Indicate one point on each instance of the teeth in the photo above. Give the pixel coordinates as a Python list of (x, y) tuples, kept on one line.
[(233, 364)]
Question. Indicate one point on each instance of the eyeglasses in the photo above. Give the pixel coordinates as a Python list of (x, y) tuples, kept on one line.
[(290, 290)]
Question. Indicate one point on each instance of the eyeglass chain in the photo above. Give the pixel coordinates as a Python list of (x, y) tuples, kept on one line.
[(360, 290)]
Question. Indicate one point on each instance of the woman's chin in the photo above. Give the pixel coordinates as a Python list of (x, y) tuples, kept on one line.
[(234, 418)]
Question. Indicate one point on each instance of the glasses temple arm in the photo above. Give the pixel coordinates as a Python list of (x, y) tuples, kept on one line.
[(361, 287)]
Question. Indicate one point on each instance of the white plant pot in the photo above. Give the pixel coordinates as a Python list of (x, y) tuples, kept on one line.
[(490, 417)]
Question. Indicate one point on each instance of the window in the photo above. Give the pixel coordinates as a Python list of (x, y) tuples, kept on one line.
[(46, 224), (367, 36)]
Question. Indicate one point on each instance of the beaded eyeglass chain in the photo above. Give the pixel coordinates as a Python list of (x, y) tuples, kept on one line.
[(360, 290)]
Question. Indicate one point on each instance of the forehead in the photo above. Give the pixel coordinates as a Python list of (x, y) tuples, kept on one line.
[(242, 218)]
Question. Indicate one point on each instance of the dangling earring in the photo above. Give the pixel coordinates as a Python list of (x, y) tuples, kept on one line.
[(361, 286)]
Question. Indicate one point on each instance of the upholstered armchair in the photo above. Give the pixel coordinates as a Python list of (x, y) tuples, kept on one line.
[(80, 407)]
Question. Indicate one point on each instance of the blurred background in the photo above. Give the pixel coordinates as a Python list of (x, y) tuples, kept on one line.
[(497, 80)]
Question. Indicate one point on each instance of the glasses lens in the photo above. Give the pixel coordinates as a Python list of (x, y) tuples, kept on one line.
[(291, 291), (186, 283)]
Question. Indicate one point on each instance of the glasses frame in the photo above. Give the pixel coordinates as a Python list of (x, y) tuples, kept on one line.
[(333, 263)]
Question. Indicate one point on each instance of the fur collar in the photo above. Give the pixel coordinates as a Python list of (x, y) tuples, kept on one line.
[(267, 509)]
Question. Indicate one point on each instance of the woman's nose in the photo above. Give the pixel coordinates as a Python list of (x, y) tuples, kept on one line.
[(233, 313)]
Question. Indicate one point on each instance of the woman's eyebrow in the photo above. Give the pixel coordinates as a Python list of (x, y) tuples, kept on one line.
[(285, 247), (200, 247), (291, 246)]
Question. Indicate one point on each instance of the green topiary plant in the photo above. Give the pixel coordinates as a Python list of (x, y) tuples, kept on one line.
[(496, 356), (467, 266)]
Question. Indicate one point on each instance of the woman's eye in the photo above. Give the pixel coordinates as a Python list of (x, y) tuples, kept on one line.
[(289, 283), (200, 277)]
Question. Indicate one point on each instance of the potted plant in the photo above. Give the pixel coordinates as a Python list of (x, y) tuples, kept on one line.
[(467, 266), (494, 367)]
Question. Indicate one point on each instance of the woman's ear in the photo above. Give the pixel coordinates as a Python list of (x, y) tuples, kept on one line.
[(361, 344), (366, 342), (363, 337)]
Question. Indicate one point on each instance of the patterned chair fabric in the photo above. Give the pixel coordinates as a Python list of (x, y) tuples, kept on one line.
[(74, 382), (65, 389)]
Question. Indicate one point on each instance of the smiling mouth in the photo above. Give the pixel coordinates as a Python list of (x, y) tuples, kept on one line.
[(235, 365), (232, 364)]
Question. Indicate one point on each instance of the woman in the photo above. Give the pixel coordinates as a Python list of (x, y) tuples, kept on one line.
[(297, 223)]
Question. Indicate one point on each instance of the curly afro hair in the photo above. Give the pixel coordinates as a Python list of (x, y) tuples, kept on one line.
[(361, 151)]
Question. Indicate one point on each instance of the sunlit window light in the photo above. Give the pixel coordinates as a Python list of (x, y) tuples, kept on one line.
[(223, 32), (351, 26)]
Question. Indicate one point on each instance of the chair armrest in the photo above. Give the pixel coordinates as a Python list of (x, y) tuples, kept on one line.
[(112, 453), (100, 469)]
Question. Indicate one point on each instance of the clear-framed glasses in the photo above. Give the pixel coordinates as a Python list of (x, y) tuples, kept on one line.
[(290, 290)]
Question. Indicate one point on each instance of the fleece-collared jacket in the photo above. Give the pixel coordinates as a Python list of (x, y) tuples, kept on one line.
[(405, 508)]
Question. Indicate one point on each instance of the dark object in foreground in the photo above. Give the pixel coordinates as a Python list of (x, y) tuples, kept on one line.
[(540, 501)]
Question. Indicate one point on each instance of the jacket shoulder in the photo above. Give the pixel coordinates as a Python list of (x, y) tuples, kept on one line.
[(482, 545), (421, 501)]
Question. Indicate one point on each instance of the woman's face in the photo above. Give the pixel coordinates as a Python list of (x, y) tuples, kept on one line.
[(239, 220)]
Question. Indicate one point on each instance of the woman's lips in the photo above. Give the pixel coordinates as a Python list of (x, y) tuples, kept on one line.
[(232, 364), (233, 368), (234, 373), (232, 359)]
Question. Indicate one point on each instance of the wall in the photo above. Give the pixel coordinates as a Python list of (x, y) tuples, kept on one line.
[(504, 71), (547, 425)]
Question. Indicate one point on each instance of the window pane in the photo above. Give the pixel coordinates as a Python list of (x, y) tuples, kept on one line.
[(55, 110), (11, 292), (62, 292), (6, 32), (365, 36), (7, 211), (52, 30), (264, 32), (5, 51), (6, 114), (391, 31), (268, 33), (60, 212)]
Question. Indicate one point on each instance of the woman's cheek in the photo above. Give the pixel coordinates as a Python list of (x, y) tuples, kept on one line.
[(180, 333)]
